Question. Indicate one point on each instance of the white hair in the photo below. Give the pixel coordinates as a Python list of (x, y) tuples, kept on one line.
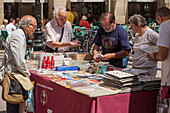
[(26, 21), (57, 10)]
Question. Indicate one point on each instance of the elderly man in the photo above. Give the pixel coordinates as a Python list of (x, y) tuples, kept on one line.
[(59, 32), (14, 57), (163, 18), (113, 39)]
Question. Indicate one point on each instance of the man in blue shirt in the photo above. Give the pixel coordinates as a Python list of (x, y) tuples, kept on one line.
[(114, 41)]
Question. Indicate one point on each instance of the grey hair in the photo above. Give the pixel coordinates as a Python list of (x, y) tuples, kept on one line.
[(138, 19), (57, 9), (26, 21)]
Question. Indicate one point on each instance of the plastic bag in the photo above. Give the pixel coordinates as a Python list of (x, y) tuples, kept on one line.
[(30, 101)]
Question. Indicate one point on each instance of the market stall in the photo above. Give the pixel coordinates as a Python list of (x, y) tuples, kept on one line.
[(54, 98), (83, 88)]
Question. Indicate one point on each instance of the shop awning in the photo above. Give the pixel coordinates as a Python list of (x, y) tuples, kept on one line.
[(88, 0), (24, 1), (142, 0)]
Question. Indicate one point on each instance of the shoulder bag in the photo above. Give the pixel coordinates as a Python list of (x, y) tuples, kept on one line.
[(15, 87)]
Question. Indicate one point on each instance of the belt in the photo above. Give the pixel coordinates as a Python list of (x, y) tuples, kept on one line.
[(142, 67)]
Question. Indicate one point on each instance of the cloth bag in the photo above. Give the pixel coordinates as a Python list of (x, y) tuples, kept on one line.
[(15, 87), (165, 92)]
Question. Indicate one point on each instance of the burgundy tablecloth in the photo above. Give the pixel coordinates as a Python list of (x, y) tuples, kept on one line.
[(53, 98)]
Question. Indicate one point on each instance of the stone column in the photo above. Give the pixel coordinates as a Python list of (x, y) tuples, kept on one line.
[(121, 11), (68, 4), (161, 3), (112, 6), (54, 3), (167, 2), (1, 11)]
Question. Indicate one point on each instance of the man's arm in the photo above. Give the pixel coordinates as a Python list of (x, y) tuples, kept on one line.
[(120, 54), (161, 55), (18, 48), (63, 44), (96, 52)]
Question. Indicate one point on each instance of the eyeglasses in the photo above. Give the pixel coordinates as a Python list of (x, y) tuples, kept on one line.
[(34, 25), (106, 25), (63, 18)]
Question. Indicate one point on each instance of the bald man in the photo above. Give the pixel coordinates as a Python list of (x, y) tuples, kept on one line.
[(14, 57), (59, 32)]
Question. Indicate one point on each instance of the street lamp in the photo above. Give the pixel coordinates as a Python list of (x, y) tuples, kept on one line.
[(38, 35)]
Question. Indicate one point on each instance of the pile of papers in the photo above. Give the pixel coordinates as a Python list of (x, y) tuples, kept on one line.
[(150, 83), (128, 81), (120, 79)]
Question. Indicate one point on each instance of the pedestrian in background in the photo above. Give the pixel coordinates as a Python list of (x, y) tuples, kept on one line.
[(70, 16), (17, 23), (84, 22), (4, 23), (76, 17), (11, 26)]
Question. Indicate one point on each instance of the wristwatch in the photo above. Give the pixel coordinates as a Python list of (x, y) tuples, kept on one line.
[(154, 56)]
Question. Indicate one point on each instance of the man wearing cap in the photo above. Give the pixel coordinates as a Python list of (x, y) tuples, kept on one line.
[(84, 22)]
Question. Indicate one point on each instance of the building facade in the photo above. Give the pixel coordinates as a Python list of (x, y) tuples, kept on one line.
[(121, 8)]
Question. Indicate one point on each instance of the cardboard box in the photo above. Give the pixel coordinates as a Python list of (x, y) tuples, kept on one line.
[(80, 56)]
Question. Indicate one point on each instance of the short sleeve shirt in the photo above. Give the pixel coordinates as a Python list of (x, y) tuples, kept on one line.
[(10, 27), (112, 42), (140, 58), (164, 41), (53, 33)]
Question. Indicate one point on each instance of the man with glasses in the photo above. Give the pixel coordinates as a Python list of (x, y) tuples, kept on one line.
[(114, 41), (14, 56), (59, 32)]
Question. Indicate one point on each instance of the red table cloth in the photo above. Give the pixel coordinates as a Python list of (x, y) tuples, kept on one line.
[(54, 98)]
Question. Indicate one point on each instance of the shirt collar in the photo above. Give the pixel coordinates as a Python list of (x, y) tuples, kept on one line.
[(24, 32), (56, 24), (26, 36)]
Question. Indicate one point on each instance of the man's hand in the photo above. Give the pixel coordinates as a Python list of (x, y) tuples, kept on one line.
[(108, 56), (72, 44), (151, 57), (96, 59)]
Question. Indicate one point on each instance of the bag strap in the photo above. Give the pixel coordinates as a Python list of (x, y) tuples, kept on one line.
[(60, 38), (5, 70)]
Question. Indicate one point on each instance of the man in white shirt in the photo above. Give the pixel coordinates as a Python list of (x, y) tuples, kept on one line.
[(54, 32), (163, 18), (11, 26)]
